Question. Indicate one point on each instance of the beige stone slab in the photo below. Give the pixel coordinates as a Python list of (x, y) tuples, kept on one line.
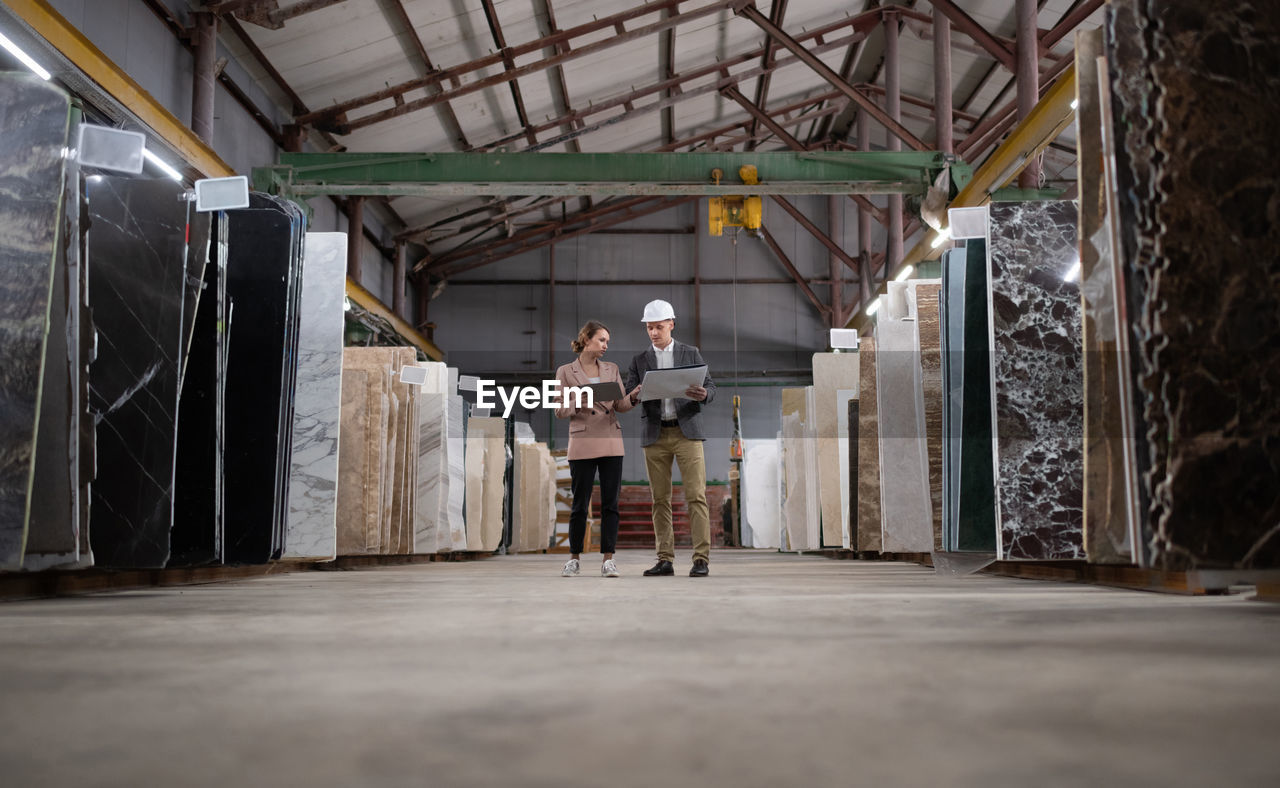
[(832, 372), (928, 323), (491, 432), (473, 467), (386, 476), (869, 525), (800, 508), (352, 449)]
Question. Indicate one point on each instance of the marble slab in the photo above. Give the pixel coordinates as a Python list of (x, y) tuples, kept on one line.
[(476, 446), (53, 538), (760, 491), (794, 507), (1106, 525), (486, 467), (197, 535), (264, 258), (1037, 380), (833, 372), (352, 463), (906, 510), (976, 525), (455, 457), (311, 527), (951, 314), (1136, 267), (136, 256), (929, 327), (33, 133), (868, 511), (849, 459), (1206, 320), (432, 473)]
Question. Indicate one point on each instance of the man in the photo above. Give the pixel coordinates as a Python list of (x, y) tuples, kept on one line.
[(673, 431)]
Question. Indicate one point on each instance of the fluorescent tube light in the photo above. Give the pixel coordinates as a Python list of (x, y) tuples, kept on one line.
[(872, 307), (904, 273), (165, 168), (24, 57), (944, 235)]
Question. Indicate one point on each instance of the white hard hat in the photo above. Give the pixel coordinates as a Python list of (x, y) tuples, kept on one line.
[(657, 310)]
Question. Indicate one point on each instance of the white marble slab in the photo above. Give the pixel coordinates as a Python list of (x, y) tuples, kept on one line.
[(311, 528), (760, 491)]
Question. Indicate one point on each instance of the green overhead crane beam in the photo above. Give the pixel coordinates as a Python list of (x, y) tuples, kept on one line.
[(567, 174)]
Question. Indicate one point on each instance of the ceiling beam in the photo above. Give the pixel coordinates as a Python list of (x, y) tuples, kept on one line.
[(967, 25), (331, 115), (667, 72), (676, 85), (508, 65), (566, 103), (451, 123), (823, 309), (558, 233), (824, 71), (813, 230), (776, 13)]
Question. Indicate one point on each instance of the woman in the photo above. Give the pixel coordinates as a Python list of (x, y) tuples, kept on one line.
[(595, 444)]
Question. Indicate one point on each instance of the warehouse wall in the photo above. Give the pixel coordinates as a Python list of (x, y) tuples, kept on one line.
[(139, 43), (503, 329)]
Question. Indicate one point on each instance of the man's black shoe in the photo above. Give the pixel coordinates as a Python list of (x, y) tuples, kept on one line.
[(700, 568), (660, 568)]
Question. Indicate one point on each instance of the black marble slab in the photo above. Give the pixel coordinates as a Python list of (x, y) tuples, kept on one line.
[(975, 486), (851, 434), (1037, 379), (197, 535), (136, 255), (263, 277), (53, 532), (1209, 316), (1127, 46), (34, 124)]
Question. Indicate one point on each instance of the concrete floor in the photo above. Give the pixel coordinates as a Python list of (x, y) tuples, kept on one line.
[(777, 670)]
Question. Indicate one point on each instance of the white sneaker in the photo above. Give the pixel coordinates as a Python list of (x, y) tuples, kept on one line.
[(609, 569), (571, 568)]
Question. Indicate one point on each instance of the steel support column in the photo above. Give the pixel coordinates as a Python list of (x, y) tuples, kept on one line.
[(942, 110), (355, 238), (398, 282), (205, 77), (893, 105), (833, 262), (697, 276), (1028, 78), (864, 220)]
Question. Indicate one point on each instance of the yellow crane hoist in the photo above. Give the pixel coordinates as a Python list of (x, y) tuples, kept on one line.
[(736, 210)]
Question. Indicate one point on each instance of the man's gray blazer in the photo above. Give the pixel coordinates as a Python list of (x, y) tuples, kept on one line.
[(688, 412)]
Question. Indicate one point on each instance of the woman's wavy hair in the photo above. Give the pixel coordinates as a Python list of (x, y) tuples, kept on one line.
[(585, 334)]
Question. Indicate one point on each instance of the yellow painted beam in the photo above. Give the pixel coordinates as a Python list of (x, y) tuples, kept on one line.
[(1047, 119), (94, 65), (370, 302), (51, 26)]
